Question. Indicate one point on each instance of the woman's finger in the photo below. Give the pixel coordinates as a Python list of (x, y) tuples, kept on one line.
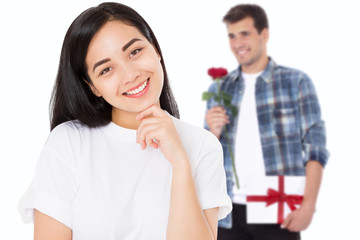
[(153, 110), (146, 125), (151, 136)]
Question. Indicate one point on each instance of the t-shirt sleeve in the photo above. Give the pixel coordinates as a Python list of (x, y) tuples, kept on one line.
[(210, 179), (54, 184)]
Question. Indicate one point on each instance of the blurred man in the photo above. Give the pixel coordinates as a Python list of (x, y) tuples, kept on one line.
[(278, 130)]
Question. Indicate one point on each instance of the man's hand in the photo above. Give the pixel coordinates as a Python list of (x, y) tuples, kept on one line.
[(298, 220), (216, 118)]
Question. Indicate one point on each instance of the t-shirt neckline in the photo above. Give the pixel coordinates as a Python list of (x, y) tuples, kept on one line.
[(126, 134)]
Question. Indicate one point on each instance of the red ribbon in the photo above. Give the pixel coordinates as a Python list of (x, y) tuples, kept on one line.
[(280, 197)]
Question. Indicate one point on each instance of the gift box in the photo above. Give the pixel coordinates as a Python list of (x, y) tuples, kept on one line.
[(271, 199)]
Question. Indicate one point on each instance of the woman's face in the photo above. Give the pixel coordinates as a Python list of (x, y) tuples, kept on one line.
[(124, 68)]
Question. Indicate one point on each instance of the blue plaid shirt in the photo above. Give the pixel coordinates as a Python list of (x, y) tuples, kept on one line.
[(290, 125)]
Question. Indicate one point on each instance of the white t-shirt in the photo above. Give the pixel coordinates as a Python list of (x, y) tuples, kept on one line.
[(249, 160), (99, 182)]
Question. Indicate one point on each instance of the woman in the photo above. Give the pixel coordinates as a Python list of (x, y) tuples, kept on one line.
[(118, 164)]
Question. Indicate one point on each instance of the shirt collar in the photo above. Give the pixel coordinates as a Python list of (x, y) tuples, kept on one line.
[(266, 75)]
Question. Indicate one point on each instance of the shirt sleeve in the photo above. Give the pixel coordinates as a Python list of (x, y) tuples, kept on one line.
[(312, 126), (210, 177), (54, 184)]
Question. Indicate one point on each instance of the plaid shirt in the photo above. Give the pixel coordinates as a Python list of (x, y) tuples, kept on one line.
[(290, 125)]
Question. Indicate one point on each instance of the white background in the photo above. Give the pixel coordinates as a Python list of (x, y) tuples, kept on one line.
[(318, 37)]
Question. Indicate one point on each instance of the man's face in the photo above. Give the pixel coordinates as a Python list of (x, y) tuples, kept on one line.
[(248, 46)]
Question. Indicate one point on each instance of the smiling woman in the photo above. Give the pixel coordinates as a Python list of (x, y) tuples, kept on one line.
[(81, 46), (127, 71), (118, 163)]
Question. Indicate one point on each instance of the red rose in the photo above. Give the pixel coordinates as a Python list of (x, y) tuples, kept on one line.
[(217, 72)]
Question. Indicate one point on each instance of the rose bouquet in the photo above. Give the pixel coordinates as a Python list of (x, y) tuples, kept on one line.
[(223, 99)]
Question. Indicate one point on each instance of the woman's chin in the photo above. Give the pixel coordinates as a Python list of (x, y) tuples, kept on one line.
[(147, 106), (135, 109)]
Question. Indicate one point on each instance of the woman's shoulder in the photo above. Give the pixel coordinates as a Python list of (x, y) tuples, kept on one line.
[(69, 131), (195, 135), (72, 127), (66, 128), (202, 147)]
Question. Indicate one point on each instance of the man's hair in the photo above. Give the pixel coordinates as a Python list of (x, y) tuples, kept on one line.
[(242, 11)]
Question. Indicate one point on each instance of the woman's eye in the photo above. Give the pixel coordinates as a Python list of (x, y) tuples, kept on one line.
[(134, 52), (105, 71)]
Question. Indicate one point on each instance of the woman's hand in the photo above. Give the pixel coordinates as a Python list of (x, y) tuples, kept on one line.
[(158, 131)]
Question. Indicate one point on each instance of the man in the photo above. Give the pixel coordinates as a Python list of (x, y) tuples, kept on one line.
[(278, 130)]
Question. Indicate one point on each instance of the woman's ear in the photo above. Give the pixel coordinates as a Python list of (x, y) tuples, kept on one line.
[(93, 89)]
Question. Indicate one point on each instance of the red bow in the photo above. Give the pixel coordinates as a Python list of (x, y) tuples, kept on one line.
[(274, 196)]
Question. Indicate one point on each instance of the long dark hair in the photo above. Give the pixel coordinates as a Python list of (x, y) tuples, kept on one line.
[(72, 97)]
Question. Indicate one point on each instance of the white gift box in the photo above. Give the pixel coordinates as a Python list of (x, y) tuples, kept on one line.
[(271, 199)]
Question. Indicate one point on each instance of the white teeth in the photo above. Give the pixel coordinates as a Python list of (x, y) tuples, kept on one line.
[(137, 90), (241, 52)]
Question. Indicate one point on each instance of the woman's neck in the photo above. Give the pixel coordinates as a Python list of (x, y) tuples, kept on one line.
[(125, 120)]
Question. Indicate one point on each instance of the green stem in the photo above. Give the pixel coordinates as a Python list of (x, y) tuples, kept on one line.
[(232, 158), (228, 141)]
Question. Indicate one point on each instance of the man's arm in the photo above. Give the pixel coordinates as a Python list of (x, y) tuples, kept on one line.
[(316, 155), (313, 132)]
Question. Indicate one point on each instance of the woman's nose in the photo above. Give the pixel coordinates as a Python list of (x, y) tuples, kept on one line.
[(130, 74)]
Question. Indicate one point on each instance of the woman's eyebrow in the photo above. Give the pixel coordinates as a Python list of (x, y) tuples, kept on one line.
[(127, 45), (100, 62)]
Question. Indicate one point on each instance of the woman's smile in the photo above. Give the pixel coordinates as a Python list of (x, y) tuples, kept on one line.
[(138, 91)]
